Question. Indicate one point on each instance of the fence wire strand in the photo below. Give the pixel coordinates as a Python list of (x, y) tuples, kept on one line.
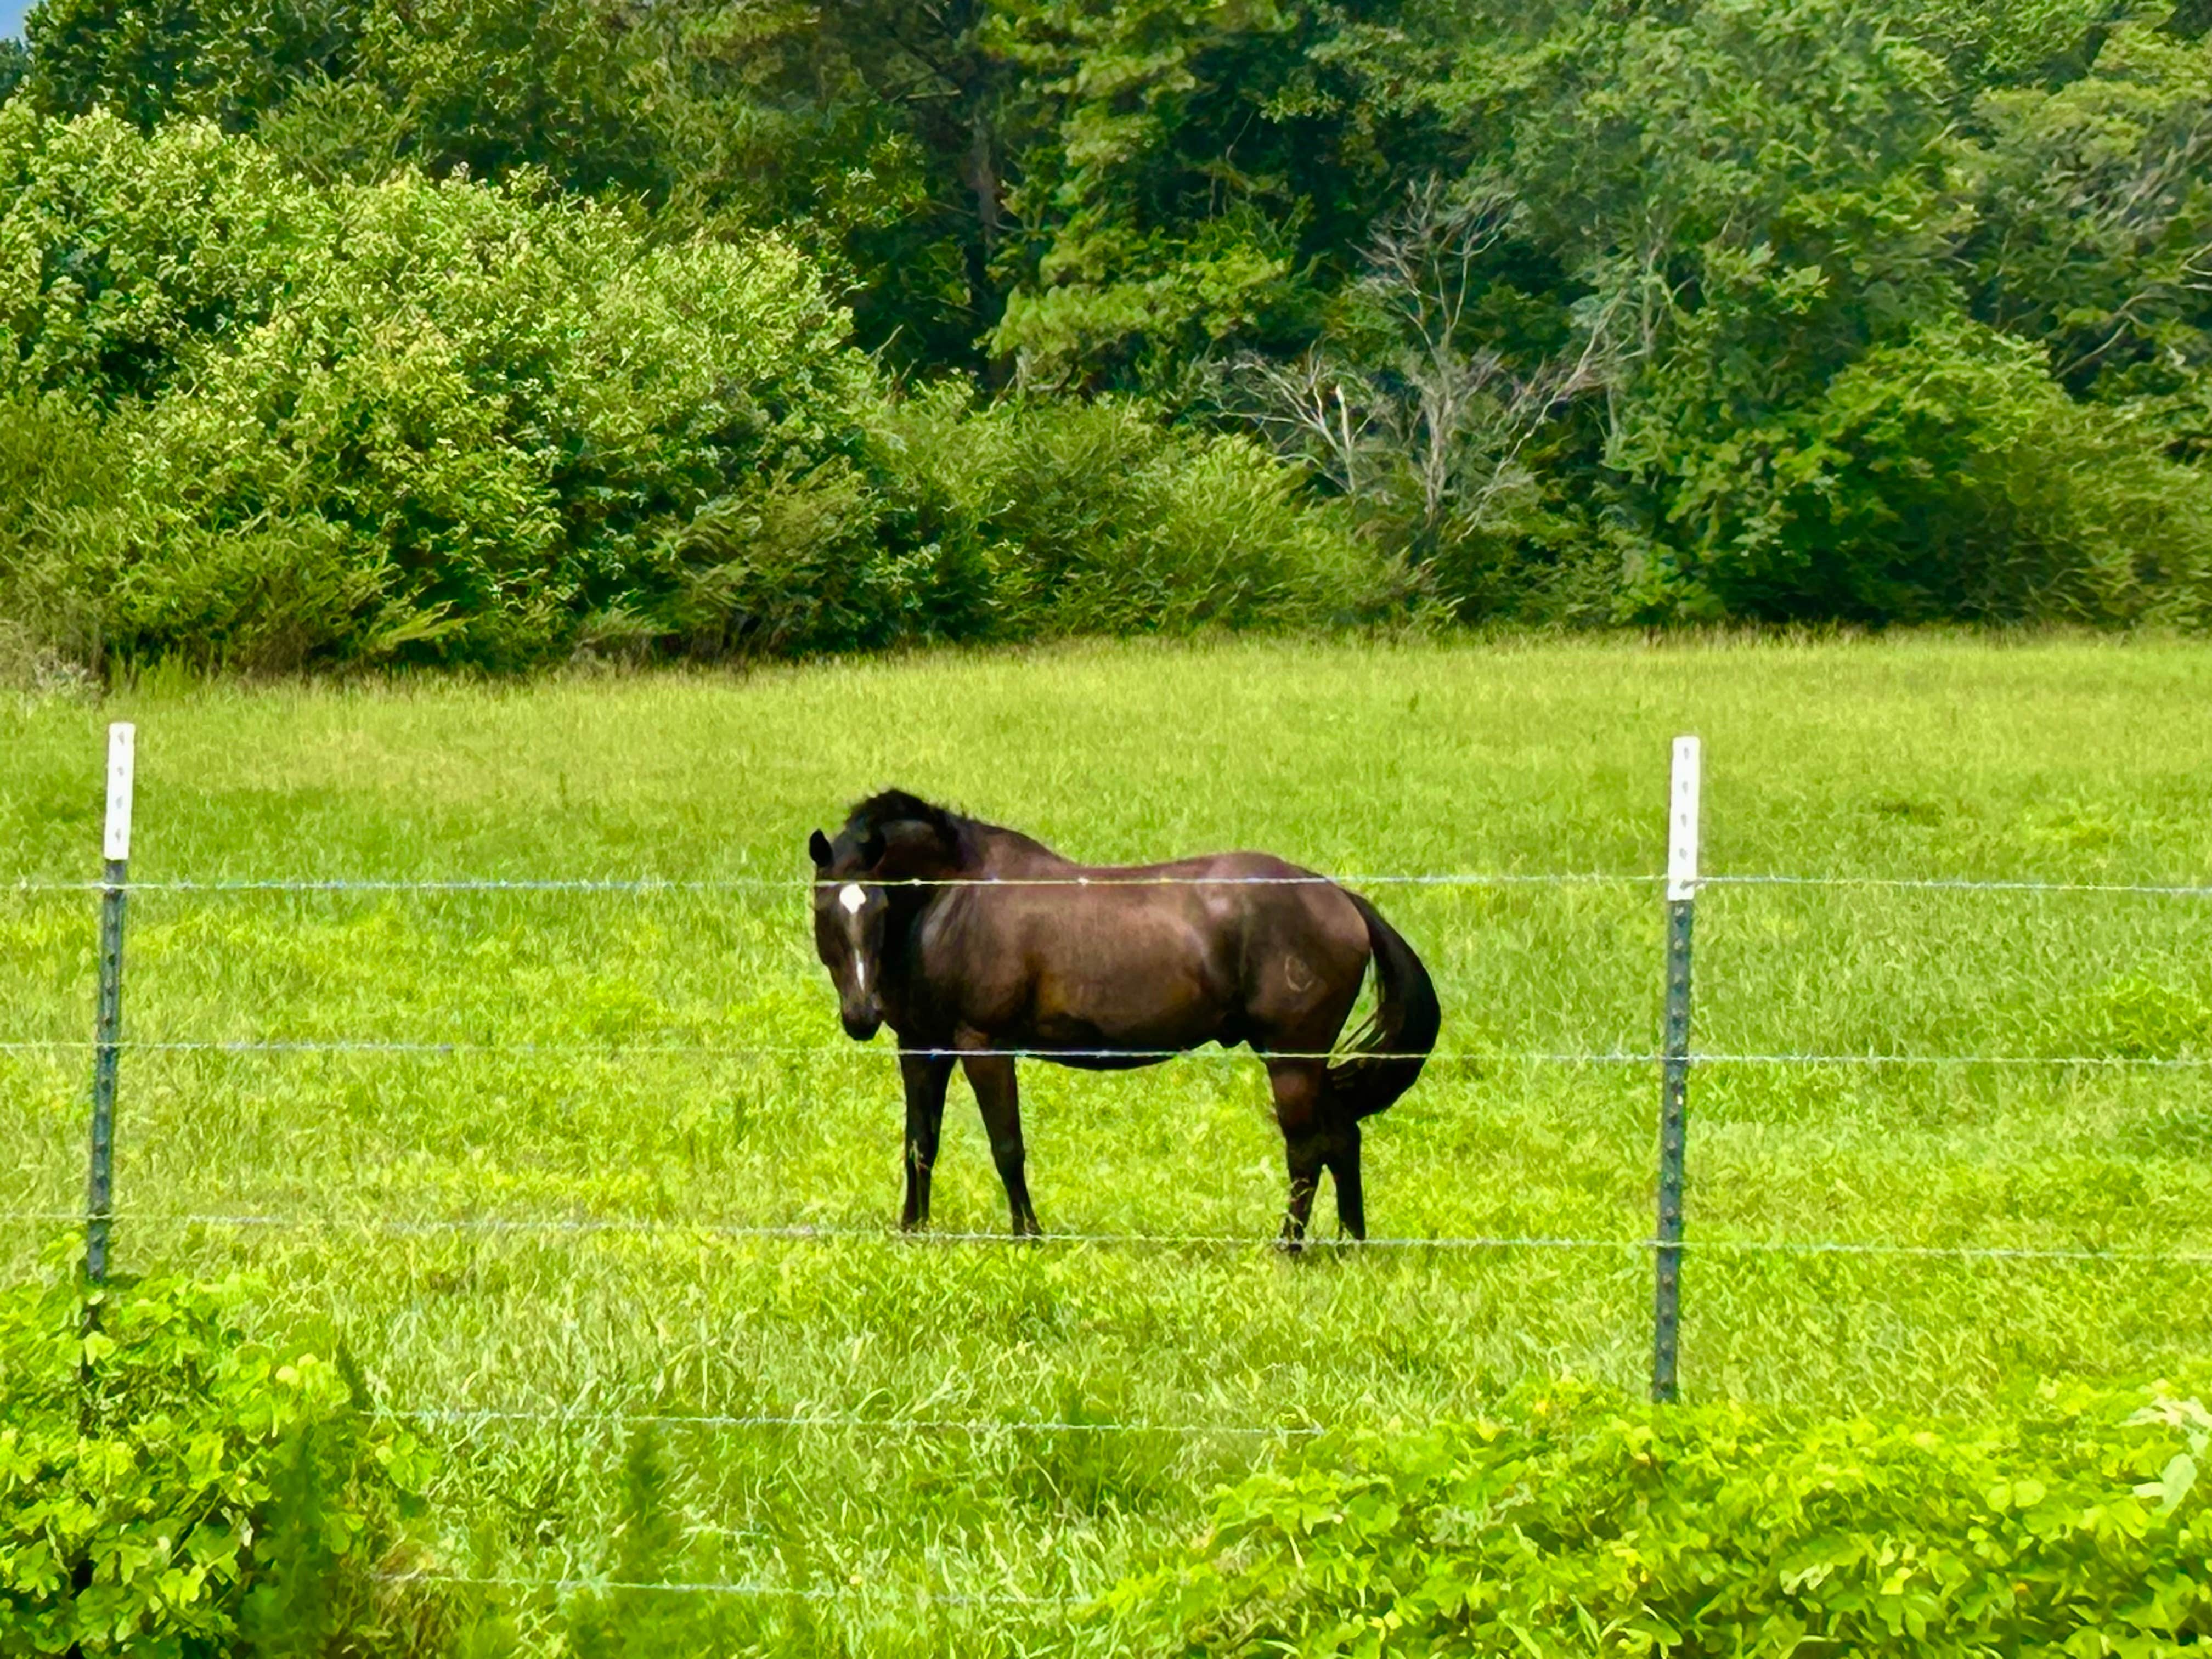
[(880, 1051), (648, 885), (463, 1417), (767, 1051), (644, 885), (554, 1226), (795, 1231), (791, 1592)]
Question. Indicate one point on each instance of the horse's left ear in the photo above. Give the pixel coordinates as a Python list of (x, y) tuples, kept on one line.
[(872, 849), (817, 847)]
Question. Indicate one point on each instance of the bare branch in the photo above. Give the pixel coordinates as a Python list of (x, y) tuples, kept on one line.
[(1316, 409), (1439, 425)]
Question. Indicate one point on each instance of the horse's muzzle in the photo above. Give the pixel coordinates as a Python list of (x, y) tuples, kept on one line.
[(862, 1024)]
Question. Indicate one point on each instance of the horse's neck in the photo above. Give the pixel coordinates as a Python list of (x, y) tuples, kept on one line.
[(991, 853), (1009, 853)]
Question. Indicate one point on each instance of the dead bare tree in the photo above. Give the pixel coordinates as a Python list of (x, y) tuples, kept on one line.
[(1444, 418), (1306, 407)]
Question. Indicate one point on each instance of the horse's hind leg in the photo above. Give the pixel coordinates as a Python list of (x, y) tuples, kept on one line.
[(992, 1078), (1301, 1091), (1341, 1154)]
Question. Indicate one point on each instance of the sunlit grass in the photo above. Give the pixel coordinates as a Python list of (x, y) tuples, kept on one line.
[(603, 1076)]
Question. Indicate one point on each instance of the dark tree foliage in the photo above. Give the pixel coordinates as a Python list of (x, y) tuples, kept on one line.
[(146, 59), (15, 64), (1593, 310)]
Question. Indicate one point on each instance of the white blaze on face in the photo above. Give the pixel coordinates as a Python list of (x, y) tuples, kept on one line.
[(852, 900)]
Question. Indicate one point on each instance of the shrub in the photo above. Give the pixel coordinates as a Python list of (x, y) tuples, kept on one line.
[(1043, 517), (263, 422), (1944, 475), (168, 1485), (408, 418), (1581, 1523)]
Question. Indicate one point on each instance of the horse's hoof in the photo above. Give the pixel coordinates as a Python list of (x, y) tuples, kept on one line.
[(1288, 1245)]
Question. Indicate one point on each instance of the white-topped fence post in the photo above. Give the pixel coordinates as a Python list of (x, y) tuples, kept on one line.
[(1675, 1063), (99, 1187)]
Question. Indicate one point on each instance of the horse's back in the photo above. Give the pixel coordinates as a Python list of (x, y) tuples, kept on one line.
[(1292, 945), (1230, 946)]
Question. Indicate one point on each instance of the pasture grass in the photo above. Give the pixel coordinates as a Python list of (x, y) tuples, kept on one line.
[(1928, 757)]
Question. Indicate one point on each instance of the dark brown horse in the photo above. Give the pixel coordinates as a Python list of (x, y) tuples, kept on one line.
[(975, 942)]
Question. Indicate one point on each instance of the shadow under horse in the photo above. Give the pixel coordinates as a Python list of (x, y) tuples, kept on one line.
[(974, 943)]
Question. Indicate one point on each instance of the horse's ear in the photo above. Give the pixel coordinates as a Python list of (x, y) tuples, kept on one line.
[(817, 847), (872, 849)]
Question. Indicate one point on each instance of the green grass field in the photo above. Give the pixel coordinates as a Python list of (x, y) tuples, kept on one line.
[(1920, 758)]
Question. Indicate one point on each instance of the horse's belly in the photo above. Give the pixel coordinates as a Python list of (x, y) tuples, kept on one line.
[(1161, 1008), (1087, 1059), (1109, 970)]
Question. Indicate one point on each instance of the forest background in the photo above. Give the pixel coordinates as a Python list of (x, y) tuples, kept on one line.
[(495, 333)]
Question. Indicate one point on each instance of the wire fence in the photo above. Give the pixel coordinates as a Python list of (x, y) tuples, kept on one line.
[(647, 885), (1682, 882), (883, 1051), (806, 1233), (618, 1050)]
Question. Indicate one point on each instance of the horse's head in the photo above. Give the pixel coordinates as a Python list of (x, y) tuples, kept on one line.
[(849, 932), (889, 840)]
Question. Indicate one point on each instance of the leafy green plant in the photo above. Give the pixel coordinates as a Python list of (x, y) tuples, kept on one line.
[(1578, 1523), (168, 1485), (1051, 519)]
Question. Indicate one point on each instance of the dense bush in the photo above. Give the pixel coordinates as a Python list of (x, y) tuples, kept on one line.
[(1580, 1524), (263, 422), (168, 1486), (1942, 477), (1077, 518), (366, 421)]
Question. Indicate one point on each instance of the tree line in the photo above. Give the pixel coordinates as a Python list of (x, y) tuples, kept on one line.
[(480, 330)]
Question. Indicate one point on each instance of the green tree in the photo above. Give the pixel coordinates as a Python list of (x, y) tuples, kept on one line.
[(2092, 232), (1201, 176), (14, 65), (1725, 235), (226, 60)]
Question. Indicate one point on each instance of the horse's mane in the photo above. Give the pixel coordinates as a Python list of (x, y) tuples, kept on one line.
[(963, 838), (879, 812)]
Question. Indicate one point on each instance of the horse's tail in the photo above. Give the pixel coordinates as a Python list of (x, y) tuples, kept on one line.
[(1390, 1048)]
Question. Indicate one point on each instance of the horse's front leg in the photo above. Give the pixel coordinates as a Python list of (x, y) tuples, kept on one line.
[(992, 1078), (927, 1077)]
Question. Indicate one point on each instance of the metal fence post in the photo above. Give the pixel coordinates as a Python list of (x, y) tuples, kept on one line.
[(1675, 1063), (99, 1187)]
